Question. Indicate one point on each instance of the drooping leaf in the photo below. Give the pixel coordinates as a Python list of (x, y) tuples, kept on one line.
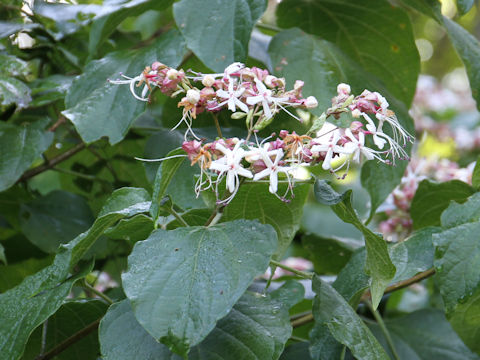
[(72, 317), (332, 310), (253, 201), (55, 219), (20, 145), (378, 264), (255, 329), (104, 25), (223, 39), (197, 272), (165, 173), (431, 199), (423, 335), (360, 30), (98, 108), (464, 6), (41, 294)]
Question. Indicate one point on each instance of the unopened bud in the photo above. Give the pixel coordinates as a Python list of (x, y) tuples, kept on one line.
[(208, 80), (356, 113), (193, 96), (270, 81), (238, 115), (343, 89), (311, 102), (172, 74)]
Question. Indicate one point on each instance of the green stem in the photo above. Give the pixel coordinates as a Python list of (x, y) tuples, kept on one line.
[(384, 329), (177, 216), (77, 174), (264, 26), (90, 288), (302, 274), (297, 338)]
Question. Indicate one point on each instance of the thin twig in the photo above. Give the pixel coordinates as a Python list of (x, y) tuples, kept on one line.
[(217, 125), (177, 216), (49, 164), (384, 329), (70, 341), (302, 321), (59, 122)]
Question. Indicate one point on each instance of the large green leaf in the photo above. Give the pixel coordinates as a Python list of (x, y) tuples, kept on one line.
[(98, 108), (253, 201), (255, 329), (332, 310), (297, 351), (323, 66), (20, 145), (132, 229), (55, 219), (29, 304), (378, 36), (104, 25), (423, 335), (457, 263), (378, 264), (432, 198), (222, 38), (72, 317), (13, 274), (195, 277)]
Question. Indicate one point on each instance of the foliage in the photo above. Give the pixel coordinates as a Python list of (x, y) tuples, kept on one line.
[(114, 245)]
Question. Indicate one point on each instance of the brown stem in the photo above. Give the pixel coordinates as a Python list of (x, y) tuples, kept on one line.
[(70, 341), (59, 122), (217, 125), (302, 320), (51, 163), (403, 284)]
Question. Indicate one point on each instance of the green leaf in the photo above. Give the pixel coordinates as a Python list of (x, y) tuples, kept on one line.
[(432, 198), (253, 201), (103, 26), (195, 278), (465, 322), (297, 351), (323, 345), (360, 30), (227, 41), (165, 173), (72, 317), (423, 335), (55, 219), (13, 91), (132, 229), (324, 62), (457, 214), (13, 66), (50, 89), (332, 310), (19, 147), (255, 329), (13, 274), (41, 294), (411, 256), (289, 294), (8, 28), (2, 255), (464, 6), (476, 175), (98, 108), (329, 255), (378, 264)]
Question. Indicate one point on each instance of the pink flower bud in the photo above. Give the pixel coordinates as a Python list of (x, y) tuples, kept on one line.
[(208, 80), (343, 89), (310, 102), (283, 134), (172, 74)]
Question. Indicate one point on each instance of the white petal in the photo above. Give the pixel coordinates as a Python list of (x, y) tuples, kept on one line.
[(241, 105), (244, 172), (262, 174), (253, 100), (223, 94), (273, 182), (231, 181)]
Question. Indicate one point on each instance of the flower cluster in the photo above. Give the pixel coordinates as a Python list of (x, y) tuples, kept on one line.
[(255, 94), (247, 92)]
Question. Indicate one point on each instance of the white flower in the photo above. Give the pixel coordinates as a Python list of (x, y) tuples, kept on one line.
[(172, 74), (265, 97), (208, 80), (233, 98), (133, 83), (356, 147), (329, 146), (230, 165), (343, 89), (378, 135), (272, 168)]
